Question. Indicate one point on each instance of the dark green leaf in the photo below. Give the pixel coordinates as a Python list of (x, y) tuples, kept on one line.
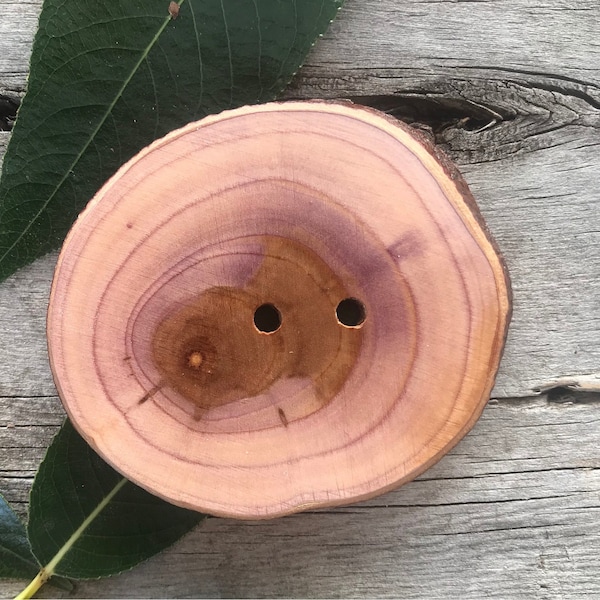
[(109, 76), (86, 521), (16, 558)]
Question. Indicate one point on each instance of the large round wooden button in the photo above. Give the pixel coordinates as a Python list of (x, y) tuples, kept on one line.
[(278, 308)]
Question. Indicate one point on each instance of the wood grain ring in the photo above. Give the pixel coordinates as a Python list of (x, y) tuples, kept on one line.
[(278, 308)]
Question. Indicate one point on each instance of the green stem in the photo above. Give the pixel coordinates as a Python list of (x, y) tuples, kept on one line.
[(38, 581), (49, 569)]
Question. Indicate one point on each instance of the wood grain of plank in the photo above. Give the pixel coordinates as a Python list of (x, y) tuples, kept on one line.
[(512, 512), (522, 122)]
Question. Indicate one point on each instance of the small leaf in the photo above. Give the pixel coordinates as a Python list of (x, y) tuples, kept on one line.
[(109, 76), (16, 558), (87, 521)]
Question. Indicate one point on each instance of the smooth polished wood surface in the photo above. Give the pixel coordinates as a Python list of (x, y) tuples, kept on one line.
[(154, 331)]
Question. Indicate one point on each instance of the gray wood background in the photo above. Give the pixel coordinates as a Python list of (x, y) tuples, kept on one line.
[(511, 90)]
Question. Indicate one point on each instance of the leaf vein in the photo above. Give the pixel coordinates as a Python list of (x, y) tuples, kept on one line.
[(89, 141), (197, 34), (228, 38)]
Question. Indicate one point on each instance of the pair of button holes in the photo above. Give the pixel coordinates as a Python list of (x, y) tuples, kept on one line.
[(350, 312)]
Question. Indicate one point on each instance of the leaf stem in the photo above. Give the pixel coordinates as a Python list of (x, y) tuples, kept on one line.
[(37, 582), (42, 577), (49, 568)]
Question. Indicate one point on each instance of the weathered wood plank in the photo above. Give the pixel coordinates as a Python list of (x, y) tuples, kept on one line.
[(516, 104), (512, 512), (512, 92), (18, 21), (551, 38), (521, 120), (4, 137)]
